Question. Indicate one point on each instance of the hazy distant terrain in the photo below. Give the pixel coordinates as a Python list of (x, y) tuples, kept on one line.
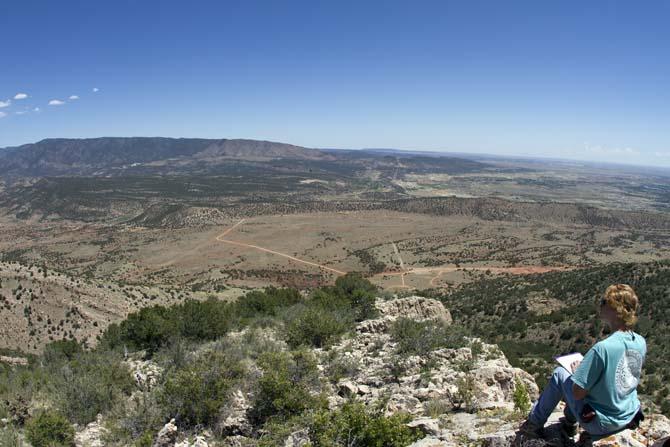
[(142, 220)]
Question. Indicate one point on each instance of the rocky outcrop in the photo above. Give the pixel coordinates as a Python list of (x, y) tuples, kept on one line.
[(416, 308), (92, 435), (146, 373), (167, 436), (416, 384), (233, 419), (13, 360), (456, 396), (199, 441)]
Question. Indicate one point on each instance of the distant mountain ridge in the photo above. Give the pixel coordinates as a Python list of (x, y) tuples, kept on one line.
[(62, 156)]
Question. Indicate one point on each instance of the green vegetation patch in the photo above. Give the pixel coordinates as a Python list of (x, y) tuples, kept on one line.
[(354, 424), (498, 311)]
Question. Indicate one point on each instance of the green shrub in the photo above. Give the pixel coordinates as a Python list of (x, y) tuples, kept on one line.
[(421, 337), (9, 437), (340, 366), (195, 394), (285, 388), (49, 429), (89, 384), (354, 425), (312, 325), (61, 351), (437, 407), (154, 327), (360, 293), (206, 320), (149, 329), (521, 397), (259, 304), (146, 440), (18, 384), (465, 394), (134, 418)]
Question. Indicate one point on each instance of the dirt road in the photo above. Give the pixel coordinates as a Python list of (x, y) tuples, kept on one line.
[(220, 238), (437, 271)]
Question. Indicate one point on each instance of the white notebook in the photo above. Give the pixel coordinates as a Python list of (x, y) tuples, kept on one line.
[(567, 360)]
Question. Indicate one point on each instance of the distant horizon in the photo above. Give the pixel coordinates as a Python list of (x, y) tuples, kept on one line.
[(455, 153), (574, 80)]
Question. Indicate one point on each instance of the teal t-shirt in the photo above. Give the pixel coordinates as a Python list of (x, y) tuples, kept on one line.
[(610, 372)]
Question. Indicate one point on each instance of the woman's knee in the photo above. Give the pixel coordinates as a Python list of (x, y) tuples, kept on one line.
[(560, 375)]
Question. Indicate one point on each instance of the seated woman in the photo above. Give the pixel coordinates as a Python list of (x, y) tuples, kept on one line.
[(601, 394)]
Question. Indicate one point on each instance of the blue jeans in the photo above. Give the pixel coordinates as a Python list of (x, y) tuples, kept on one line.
[(560, 388)]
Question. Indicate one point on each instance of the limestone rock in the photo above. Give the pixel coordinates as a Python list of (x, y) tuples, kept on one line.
[(416, 308), (347, 388), (656, 426), (167, 436), (298, 439), (431, 441), (233, 420), (92, 435), (376, 326), (146, 373), (495, 383), (500, 439), (199, 441), (429, 426), (626, 438), (13, 360), (363, 389)]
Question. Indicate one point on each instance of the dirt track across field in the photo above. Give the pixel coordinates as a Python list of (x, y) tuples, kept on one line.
[(220, 238), (437, 271)]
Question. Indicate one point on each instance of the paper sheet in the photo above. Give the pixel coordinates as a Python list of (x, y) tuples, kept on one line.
[(567, 360)]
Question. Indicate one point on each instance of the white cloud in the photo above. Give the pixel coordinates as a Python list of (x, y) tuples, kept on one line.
[(74, 97), (3, 114), (662, 154), (56, 102), (21, 112), (36, 109), (96, 89), (5, 103), (20, 96)]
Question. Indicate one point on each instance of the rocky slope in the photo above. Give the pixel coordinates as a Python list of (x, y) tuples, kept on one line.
[(38, 306), (456, 397)]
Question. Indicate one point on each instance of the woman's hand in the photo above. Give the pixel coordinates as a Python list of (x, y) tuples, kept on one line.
[(574, 365)]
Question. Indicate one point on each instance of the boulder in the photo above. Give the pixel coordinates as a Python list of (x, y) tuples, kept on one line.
[(656, 426), (145, 372), (429, 426), (347, 388), (233, 420), (167, 436), (416, 308), (626, 438)]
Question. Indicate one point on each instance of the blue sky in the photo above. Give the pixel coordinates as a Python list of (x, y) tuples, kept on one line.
[(581, 80)]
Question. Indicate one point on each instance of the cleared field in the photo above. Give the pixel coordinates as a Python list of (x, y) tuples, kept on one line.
[(107, 271), (395, 249)]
